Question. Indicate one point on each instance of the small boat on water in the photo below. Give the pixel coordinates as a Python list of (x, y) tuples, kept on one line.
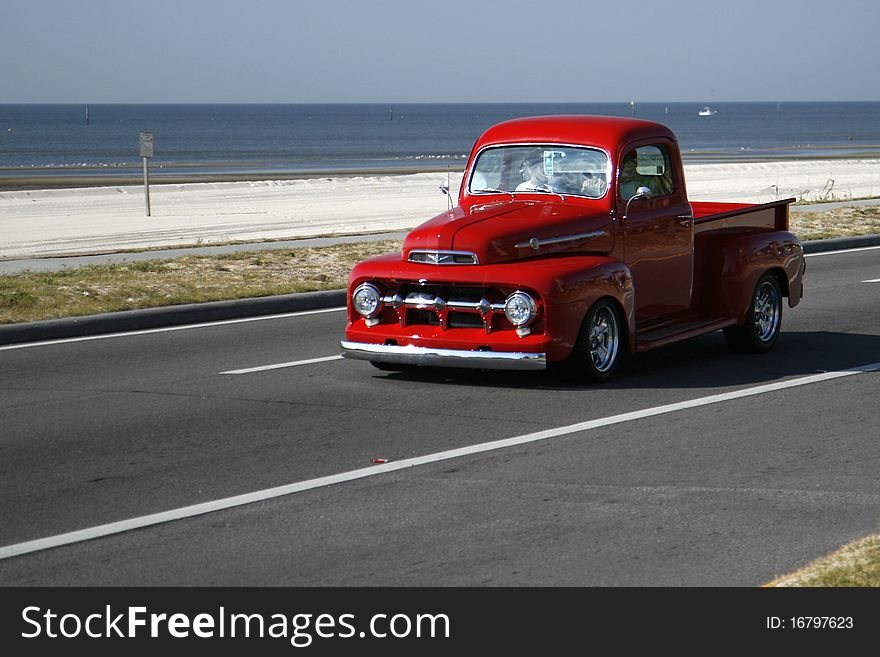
[(707, 111)]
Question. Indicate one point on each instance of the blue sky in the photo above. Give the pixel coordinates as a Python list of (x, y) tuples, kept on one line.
[(82, 51)]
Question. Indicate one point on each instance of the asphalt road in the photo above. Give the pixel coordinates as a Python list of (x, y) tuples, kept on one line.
[(732, 492)]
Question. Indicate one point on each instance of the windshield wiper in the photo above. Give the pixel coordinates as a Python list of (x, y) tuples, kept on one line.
[(492, 190), (545, 189)]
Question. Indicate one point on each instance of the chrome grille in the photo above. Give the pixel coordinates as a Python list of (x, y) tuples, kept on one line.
[(443, 257), (446, 307)]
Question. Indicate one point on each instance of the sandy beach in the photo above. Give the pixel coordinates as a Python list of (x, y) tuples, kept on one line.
[(55, 222)]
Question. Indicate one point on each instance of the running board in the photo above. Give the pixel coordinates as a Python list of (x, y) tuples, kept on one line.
[(675, 332)]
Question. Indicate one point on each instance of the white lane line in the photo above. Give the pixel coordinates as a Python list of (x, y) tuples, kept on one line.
[(167, 329), (278, 366), (352, 475), (824, 253)]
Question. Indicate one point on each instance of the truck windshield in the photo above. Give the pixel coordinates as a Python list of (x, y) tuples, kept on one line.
[(550, 169)]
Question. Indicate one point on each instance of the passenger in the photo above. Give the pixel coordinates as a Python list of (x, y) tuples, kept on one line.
[(568, 183), (593, 185), (629, 179)]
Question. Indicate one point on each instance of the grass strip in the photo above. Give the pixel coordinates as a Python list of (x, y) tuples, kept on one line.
[(92, 289), (855, 564)]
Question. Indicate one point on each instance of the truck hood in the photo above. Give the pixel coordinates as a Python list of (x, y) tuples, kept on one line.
[(507, 230)]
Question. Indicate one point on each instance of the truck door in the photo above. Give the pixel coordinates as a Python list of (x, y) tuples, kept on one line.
[(657, 231)]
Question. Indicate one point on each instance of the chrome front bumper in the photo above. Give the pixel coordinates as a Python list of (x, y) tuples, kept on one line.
[(412, 355)]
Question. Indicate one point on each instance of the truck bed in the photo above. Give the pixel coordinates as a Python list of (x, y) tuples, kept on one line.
[(709, 215)]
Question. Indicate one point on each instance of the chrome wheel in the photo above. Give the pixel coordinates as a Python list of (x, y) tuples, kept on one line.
[(604, 339), (598, 348), (766, 311), (763, 321)]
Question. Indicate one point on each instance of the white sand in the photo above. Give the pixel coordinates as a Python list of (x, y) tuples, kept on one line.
[(105, 219)]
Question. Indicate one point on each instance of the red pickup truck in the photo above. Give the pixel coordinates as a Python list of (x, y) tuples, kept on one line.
[(573, 242)]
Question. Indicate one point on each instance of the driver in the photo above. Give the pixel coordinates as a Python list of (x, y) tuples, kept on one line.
[(533, 171)]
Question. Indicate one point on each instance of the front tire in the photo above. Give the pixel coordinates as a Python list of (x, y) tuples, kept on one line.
[(763, 321), (597, 350)]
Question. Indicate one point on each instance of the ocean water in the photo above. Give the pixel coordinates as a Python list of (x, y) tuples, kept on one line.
[(52, 140)]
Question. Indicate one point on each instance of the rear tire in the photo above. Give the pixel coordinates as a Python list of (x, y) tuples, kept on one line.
[(763, 321), (598, 348)]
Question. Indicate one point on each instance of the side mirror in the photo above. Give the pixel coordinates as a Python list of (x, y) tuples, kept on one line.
[(445, 190), (641, 192)]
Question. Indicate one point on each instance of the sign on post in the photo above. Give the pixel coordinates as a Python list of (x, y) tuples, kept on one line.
[(146, 141), (146, 144)]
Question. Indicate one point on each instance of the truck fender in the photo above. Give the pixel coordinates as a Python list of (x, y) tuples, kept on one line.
[(731, 266), (574, 292)]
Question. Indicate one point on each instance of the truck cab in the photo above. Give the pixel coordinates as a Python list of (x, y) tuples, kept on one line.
[(573, 241)]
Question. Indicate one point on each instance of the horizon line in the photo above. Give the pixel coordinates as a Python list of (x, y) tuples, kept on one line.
[(627, 103)]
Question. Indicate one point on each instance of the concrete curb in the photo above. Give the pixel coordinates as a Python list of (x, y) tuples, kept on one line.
[(150, 318), (197, 313), (840, 243)]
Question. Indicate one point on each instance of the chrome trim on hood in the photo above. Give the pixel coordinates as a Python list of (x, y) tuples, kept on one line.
[(536, 244)]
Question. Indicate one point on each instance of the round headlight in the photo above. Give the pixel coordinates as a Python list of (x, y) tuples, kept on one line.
[(520, 308), (367, 300)]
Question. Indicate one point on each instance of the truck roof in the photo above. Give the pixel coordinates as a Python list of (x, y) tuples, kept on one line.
[(606, 132)]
